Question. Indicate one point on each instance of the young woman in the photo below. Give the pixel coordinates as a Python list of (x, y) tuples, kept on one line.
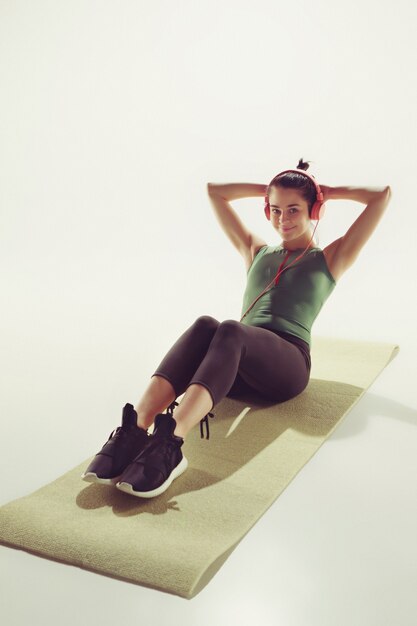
[(266, 352)]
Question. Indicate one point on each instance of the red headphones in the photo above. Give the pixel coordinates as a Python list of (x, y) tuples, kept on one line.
[(317, 212), (318, 208)]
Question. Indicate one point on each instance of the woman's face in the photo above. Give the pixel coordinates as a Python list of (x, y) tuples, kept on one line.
[(288, 213)]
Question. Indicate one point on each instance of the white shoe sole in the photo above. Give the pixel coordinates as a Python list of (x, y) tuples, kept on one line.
[(90, 477), (177, 471)]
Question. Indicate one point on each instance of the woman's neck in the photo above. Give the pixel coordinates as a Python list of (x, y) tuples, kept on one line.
[(293, 245)]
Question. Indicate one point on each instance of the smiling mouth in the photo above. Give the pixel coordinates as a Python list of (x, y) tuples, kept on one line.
[(285, 229)]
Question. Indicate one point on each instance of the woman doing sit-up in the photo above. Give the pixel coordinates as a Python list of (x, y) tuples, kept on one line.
[(266, 352)]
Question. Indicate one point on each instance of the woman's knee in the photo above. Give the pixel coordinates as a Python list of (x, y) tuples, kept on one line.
[(206, 321), (230, 328)]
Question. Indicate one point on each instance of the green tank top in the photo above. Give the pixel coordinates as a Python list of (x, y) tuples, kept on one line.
[(294, 303)]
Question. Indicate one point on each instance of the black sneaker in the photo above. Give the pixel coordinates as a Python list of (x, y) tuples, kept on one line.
[(122, 446), (159, 463)]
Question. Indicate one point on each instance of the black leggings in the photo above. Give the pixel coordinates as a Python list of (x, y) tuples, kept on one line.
[(231, 359)]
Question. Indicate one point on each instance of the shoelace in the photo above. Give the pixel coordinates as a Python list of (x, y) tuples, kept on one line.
[(205, 420), (171, 408)]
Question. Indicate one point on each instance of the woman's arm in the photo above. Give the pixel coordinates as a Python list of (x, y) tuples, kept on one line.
[(343, 252), (242, 238), (358, 194)]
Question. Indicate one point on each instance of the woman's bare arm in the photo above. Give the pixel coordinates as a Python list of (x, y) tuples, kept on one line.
[(343, 252), (245, 241)]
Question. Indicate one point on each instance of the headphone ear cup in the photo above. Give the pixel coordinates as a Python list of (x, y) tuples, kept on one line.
[(318, 210), (318, 207)]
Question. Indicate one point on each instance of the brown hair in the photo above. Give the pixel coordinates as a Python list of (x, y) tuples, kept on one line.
[(294, 180)]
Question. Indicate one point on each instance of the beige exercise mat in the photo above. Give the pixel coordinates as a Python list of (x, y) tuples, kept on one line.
[(177, 541)]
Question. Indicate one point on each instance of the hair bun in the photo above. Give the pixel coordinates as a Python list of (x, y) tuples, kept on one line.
[(303, 165)]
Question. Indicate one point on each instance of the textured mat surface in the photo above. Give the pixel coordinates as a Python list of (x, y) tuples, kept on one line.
[(177, 541)]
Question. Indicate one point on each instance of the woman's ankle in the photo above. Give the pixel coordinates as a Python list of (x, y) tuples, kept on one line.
[(144, 420)]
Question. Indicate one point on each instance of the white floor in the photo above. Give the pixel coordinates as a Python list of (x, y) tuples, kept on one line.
[(337, 547)]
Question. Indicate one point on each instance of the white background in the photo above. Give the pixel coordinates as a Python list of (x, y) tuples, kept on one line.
[(113, 118)]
